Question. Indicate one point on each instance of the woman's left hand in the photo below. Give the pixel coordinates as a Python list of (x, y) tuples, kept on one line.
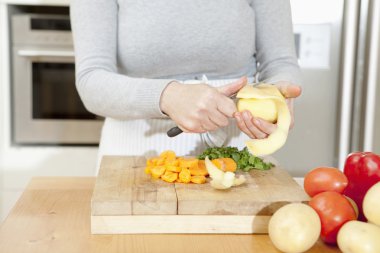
[(257, 128)]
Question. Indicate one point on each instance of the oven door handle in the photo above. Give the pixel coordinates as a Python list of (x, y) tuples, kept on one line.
[(45, 53)]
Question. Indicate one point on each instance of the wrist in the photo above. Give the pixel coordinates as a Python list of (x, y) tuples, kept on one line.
[(167, 96)]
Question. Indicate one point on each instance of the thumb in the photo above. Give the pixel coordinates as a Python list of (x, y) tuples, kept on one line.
[(233, 87), (289, 90)]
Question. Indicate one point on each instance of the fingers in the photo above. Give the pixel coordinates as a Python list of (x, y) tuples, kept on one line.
[(247, 124), (248, 120), (208, 110), (219, 119), (243, 127), (226, 106), (233, 87), (289, 90), (208, 125), (264, 126)]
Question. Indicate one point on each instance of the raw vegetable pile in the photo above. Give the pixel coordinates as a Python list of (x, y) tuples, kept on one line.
[(340, 205), (219, 163), (244, 160), (172, 169)]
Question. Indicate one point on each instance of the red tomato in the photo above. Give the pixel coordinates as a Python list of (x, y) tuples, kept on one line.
[(324, 179), (334, 210)]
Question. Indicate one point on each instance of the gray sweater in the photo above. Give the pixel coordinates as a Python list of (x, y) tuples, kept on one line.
[(127, 51)]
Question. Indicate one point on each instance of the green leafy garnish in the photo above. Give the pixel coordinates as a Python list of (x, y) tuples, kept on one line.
[(244, 160)]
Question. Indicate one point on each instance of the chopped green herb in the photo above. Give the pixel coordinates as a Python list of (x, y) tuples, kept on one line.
[(244, 160)]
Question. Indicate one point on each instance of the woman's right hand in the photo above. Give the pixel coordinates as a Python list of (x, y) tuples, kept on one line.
[(198, 108)]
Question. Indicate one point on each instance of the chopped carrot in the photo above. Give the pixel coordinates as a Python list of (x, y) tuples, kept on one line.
[(169, 176), (188, 163), (173, 168), (200, 171), (225, 164), (168, 155), (198, 179), (185, 175), (157, 171)]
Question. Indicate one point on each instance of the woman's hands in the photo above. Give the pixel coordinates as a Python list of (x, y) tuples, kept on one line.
[(199, 108), (257, 128)]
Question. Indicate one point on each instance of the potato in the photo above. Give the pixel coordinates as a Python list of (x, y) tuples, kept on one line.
[(267, 100), (359, 237), (294, 228), (371, 204), (261, 108)]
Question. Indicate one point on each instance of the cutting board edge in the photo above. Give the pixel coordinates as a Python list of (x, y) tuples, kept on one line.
[(180, 224)]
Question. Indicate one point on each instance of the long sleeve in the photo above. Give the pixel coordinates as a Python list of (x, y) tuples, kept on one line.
[(275, 49), (102, 90)]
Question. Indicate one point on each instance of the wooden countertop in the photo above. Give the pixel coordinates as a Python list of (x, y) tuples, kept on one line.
[(53, 215)]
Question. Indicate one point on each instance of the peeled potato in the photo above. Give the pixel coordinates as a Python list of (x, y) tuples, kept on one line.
[(261, 108), (249, 97)]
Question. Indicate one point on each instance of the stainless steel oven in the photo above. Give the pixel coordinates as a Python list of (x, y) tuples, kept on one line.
[(46, 106)]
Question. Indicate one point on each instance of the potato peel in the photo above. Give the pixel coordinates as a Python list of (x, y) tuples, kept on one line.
[(222, 180), (277, 139)]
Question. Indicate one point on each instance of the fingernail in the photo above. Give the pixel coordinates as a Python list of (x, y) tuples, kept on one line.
[(257, 122)]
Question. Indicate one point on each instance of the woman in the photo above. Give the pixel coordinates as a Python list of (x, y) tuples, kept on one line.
[(139, 63)]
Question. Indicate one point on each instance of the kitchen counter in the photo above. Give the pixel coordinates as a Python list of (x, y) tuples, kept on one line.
[(53, 215)]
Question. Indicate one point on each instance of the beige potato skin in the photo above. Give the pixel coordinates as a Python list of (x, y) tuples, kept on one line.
[(359, 237), (371, 204), (294, 228)]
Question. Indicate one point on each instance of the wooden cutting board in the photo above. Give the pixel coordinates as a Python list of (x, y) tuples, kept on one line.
[(126, 200)]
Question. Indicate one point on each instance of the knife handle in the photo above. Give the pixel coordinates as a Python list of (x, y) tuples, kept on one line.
[(174, 131)]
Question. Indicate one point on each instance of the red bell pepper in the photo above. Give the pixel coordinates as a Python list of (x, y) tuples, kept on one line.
[(362, 170)]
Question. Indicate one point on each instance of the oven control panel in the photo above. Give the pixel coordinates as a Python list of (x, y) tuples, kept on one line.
[(38, 29)]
